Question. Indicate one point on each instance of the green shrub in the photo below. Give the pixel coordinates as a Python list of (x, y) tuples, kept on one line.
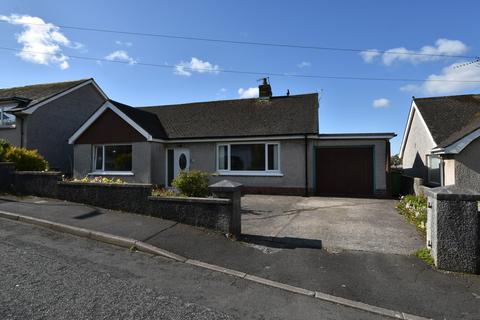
[(4, 146), (414, 208), (26, 160), (425, 255), (99, 179), (193, 183)]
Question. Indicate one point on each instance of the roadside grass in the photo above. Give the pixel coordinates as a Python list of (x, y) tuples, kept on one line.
[(424, 254)]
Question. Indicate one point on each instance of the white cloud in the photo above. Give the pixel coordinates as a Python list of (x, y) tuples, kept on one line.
[(369, 55), (123, 43), (120, 55), (42, 42), (248, 93), (426, 53), (304, 64), (195, 65), (438, 85), (381, 103), (223, 90)]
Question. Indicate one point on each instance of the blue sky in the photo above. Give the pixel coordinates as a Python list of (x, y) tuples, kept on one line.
[(443, 27)]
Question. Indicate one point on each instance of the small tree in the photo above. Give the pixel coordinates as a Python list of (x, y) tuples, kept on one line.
[(395, 160), (193, 183)]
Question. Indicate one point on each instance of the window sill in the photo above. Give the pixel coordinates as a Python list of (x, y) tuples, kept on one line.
[(7, 126), (111, 173), (250, 173)]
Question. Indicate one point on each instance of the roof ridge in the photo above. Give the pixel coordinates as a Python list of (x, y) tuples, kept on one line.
[(226, 100), (451, 96), (47, 83)]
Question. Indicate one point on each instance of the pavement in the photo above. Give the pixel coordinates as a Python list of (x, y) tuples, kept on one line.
[(50, 275), (332, 223), (392, 281)]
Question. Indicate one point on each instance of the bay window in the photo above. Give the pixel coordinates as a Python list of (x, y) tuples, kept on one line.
[(112, 158), (248, 158)]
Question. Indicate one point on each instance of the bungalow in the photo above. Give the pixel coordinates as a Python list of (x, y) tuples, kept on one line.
[(269, 144), (441, 142), (44, 116)]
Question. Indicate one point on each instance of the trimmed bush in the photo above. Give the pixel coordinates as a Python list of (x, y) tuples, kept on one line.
[(193, 183), (26, 160), (4, 146), (414, 208)]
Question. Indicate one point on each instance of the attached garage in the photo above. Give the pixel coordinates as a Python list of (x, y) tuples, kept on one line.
[(350, 164)]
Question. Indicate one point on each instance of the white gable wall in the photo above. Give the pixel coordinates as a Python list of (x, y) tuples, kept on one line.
[(418, 144)]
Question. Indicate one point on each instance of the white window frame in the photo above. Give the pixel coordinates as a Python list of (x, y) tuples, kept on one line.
[(102, 172), (4, 112), (266, 172), (440, 170)]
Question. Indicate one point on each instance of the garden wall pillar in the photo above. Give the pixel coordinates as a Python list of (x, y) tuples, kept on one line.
[(453, 228), (231, 190)]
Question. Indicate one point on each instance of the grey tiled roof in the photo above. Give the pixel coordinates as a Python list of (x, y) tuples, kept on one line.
[(38, 92), (148, 121), (450, 118), (295, 114)]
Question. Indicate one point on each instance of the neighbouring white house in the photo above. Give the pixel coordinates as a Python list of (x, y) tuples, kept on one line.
[(441, 141)]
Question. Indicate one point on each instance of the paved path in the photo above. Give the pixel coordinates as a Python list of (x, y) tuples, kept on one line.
[(333, 223), (48, 275), (392, 281)]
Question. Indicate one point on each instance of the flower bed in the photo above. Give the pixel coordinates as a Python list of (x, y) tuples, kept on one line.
[(414, 208)]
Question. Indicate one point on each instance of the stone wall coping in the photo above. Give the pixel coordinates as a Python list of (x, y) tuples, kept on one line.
[(5, 163), (108, 185), (39, 173), (225, 186), (452, 193), (191, 200)]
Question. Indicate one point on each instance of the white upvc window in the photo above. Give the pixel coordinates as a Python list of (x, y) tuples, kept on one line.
[(112, 159), (253, 158), (6, 118)]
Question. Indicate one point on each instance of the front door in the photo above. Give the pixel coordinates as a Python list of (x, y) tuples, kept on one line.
[(178, 159)]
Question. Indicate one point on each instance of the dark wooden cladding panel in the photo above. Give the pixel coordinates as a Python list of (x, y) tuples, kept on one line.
[(110, 128)]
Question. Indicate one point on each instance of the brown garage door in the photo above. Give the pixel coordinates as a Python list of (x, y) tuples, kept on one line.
[(344, 171)]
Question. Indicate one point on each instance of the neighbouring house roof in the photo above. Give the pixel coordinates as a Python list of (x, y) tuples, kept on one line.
[(276, 116), (284, 115), (450, 118), (30, 97)]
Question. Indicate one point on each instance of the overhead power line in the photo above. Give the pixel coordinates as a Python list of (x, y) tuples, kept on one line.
[(251, 43), (256, 73)]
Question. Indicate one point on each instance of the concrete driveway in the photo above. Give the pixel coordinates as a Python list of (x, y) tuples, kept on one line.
[(330, 223)]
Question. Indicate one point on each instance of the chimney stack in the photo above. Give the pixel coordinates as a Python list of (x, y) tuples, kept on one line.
[(265, 90)]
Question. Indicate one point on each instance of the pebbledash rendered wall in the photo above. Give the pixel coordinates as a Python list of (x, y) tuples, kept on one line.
[(220, 214)]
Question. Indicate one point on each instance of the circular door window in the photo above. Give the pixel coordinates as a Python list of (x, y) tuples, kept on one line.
[(182, 161)]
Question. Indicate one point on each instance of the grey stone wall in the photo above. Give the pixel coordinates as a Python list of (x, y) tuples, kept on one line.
[(220, 214), (453, 228), (43, 184), (6, 176)]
